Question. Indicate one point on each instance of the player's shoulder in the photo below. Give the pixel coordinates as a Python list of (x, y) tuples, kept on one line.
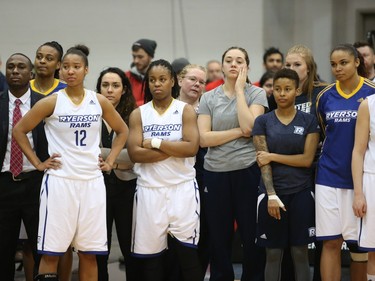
[(326, 90)]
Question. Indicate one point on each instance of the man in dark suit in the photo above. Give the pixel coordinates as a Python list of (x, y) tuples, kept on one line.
[(19, 191)]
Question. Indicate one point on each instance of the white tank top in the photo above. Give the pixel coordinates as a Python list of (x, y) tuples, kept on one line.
[(167, 126), (73, 131), (369, 161)]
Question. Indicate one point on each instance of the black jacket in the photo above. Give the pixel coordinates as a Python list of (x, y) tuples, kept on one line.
[(38, 133)]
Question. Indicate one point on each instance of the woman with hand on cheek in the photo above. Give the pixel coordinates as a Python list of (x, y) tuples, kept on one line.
[(225, 121)]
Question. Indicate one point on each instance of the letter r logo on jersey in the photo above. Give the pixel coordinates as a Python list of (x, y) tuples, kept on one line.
[(311, 231), (299, 130)]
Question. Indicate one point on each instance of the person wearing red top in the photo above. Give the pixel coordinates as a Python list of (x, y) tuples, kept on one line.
[(143, 52)]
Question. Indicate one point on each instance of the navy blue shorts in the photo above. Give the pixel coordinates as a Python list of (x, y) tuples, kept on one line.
[(297, 224)]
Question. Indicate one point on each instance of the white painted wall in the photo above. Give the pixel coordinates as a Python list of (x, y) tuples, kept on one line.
[(110, 27), (197, 29)]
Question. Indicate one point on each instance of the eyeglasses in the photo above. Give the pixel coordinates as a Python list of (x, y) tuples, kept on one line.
[(194, 80)]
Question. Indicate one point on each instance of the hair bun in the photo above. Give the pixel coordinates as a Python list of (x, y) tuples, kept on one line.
[(83, 48)]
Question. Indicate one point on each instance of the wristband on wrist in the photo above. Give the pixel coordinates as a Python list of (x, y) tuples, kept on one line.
[(275, 197), (155, 143)]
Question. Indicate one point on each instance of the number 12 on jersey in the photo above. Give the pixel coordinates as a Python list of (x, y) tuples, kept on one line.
[(80, 137)]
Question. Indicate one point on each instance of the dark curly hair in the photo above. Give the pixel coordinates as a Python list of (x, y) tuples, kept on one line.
[(127, 102)]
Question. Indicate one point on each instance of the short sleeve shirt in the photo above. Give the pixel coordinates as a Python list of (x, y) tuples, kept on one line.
[(236, 154), (287, 140)]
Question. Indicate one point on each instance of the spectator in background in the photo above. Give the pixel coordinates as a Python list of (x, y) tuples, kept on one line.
[(273, 60), (179, 64), (266, 82), (143, 52), (367, 52), (214, 75), (214, 71), (3, 83)]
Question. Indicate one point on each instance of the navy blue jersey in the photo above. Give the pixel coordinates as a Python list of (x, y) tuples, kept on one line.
[(337, 114), (287, 140)]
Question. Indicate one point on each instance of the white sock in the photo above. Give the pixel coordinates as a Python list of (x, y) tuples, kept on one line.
[(370, 277)]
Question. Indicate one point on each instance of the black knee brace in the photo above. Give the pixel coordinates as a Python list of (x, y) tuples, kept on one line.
[(356, 254)]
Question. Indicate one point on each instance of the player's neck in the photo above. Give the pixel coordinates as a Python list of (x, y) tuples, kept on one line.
[(43, 84), (162, 105), (76, 94), (229, 87), (286, 115), (349, 85)]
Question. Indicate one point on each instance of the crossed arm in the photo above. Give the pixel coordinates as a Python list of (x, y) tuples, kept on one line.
[(141, 151)]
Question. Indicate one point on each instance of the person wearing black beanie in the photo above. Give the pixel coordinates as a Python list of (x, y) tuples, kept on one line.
[(143, 52)]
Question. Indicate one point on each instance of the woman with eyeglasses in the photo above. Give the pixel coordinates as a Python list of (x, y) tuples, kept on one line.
[(191, 81), (225, 121)]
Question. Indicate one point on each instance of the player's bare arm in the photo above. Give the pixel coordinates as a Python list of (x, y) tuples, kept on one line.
[(42, 109), (362, 133), (266, 170), (114, 120), (188, 146), (209, 138), (137, 152)]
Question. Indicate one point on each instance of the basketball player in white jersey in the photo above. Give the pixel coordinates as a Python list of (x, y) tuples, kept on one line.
[(363, 172), (163, 141), (73, 199)]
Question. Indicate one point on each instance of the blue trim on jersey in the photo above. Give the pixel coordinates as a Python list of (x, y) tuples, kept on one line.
[(333, 237), (102, 253), (189, 245), (134, 222), (196, 189), (329, 237), (148, 255), (366, 249), (46, 214), (351, 242), (49, 253)]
